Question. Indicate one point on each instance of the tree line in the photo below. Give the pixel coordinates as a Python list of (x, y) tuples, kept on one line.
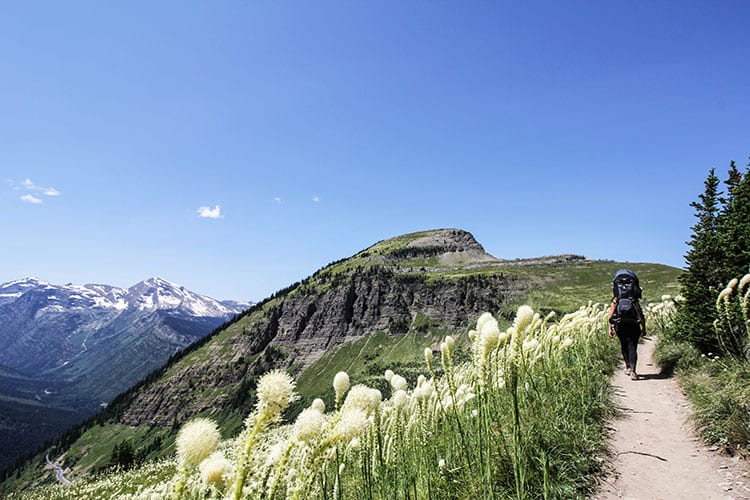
[(719, 251)]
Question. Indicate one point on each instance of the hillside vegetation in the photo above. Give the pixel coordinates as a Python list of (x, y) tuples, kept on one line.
[(498, 425), (373, 312)]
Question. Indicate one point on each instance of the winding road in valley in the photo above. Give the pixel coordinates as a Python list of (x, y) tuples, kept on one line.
[(655, 453)]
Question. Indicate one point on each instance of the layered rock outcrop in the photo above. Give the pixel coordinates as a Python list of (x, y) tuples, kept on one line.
[(381, 289)]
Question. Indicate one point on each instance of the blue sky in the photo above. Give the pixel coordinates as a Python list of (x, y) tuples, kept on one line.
[(320, 128)]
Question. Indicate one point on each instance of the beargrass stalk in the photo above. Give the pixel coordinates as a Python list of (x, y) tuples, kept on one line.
[(446, 358), (197, 439), (276, 392)]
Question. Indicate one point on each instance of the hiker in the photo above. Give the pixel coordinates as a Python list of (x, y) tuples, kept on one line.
[(626, 319)]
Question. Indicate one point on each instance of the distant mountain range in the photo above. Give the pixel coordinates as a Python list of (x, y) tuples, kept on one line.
[(66, 350)]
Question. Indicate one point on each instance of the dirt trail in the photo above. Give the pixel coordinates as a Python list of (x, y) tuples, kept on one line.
[(655, 454)]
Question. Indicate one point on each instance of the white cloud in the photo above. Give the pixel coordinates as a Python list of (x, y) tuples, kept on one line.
[(47, 191), (277, 200), (210, 213), (30, 198), (315, 199)]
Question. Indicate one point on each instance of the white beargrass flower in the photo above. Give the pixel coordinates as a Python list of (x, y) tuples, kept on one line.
[(275, 392), (745, 281), (376, 397), (215, 470), (516, 338), (399, 398), (723, 296), (309, 425), (464, 394), (566, 343), (450, 342), (196, 440), (276, 454), (424, 391), (420, 394), (341, 384), (484, 318), (489, 336), (362, 397), (441, 464), (428, 357), (524, 317), (352, 423), (399, 383), (445, 352), (388, 375), (319, 405), (530, 345)]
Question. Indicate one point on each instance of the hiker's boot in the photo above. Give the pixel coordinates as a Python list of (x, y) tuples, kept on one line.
[(633, 375), (627, 370)]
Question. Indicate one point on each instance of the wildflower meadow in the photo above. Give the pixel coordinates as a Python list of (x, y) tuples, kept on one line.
[(523, 418)]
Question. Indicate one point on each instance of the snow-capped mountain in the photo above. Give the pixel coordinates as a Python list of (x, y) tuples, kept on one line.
[(78, 346), (156, 293), (46, 327), (11, 290), (151, 294)]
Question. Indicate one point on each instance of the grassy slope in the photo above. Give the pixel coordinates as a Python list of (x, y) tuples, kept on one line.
[(567, 287), (577, 283)]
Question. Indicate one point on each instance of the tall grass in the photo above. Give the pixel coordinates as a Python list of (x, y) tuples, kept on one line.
[(523, 418)]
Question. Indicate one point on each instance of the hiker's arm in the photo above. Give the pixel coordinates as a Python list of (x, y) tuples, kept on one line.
[(612, 307)]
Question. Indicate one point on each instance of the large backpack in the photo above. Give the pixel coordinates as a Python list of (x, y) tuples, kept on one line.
[(627, 291)]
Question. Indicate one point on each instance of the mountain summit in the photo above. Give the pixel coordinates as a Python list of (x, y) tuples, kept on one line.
[(438, 247)]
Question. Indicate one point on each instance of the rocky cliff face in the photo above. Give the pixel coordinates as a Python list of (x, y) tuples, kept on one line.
[(384, 288)]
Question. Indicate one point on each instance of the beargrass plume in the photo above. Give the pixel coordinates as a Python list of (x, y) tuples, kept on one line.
[(522, 418)]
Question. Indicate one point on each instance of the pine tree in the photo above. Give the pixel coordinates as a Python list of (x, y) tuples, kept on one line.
[(734, 226), (702, 280), (734, 176)]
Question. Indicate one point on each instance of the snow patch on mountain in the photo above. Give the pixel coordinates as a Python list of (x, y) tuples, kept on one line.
[(157, 293)]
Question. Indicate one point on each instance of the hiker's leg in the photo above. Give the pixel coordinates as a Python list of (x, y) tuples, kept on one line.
[(633, 349), (624, 347)]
